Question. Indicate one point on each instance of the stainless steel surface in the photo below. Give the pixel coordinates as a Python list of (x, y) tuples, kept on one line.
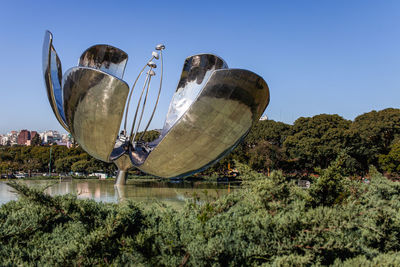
[(211, 111), (130, 96), (121, 147), (94, 103), (219, 118), (107, 58), (138, 106), (139, 153), (158, 95), (195, 73), (154, 56), (150, 74), (160, 47), (124, 164), (151, 64), (52, 72), (122, 176)]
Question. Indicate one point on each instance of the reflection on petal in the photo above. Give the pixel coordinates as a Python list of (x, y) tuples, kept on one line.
[(211, 111), (106, 58), (52, 75), (94, 105), (220, 117), (196, 71)]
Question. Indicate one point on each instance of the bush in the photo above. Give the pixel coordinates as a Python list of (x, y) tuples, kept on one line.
[(271, 221)]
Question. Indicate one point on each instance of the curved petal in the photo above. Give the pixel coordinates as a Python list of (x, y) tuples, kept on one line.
[(120, 148), (219, 118), (94, 103), (195, 73), (52, 76), (107, 58)]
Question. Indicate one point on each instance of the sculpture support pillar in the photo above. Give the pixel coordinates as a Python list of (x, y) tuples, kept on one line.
[(121, 177), (123, 164)]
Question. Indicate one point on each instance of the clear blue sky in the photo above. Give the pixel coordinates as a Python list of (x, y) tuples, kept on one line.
[(336, 57)]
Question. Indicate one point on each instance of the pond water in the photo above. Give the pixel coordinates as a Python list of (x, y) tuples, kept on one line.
[(170, 192)]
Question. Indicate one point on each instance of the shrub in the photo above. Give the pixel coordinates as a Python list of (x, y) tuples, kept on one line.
[(270, 221)]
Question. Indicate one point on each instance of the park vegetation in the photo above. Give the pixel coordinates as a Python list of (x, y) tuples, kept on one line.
[(312, 144), (304, 148), (60, 159), (271, 221), (349, 216)]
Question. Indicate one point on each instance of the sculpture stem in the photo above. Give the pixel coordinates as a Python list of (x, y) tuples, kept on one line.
[(130, 93), (137, 108), (158, 97), (123, 164), (144, 105), (121, 177)]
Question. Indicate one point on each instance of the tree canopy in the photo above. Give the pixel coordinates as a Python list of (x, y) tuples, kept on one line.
[(308, 145)]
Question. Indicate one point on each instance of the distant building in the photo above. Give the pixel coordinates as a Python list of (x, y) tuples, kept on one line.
[(33, 134), (5, 141), (264, 118), (50, 137), (61, 143), (2, 140), (23, 136), (12, 138)]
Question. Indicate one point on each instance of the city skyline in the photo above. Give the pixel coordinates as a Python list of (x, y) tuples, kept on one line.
[(26, 137), (317, 57)]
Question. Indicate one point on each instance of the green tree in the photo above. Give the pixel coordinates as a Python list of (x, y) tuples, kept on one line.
[(64, 164), (265, 156), (330, 188), (390, 163), (80, 166), (30, 165), (272, 131), (378, 129), (36, 141), (316, 141)]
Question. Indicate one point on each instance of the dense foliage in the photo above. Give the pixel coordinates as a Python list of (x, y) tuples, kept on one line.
[(314, 143), (63, 160), (37, 159), (305, 147), (337, 221)]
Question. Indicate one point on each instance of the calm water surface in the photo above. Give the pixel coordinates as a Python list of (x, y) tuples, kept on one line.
[(173, 193)]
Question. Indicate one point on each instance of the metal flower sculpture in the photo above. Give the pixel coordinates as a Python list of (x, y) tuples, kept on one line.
[(211, 111)]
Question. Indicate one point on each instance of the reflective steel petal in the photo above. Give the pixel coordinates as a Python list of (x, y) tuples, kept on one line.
[(94, 103), (120, 148), (106, 58), (212, 110), (52, 76), (219, 118), (196, 71)]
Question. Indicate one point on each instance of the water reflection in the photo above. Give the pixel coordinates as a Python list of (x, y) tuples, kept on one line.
[(5, 193), (172, 193)]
